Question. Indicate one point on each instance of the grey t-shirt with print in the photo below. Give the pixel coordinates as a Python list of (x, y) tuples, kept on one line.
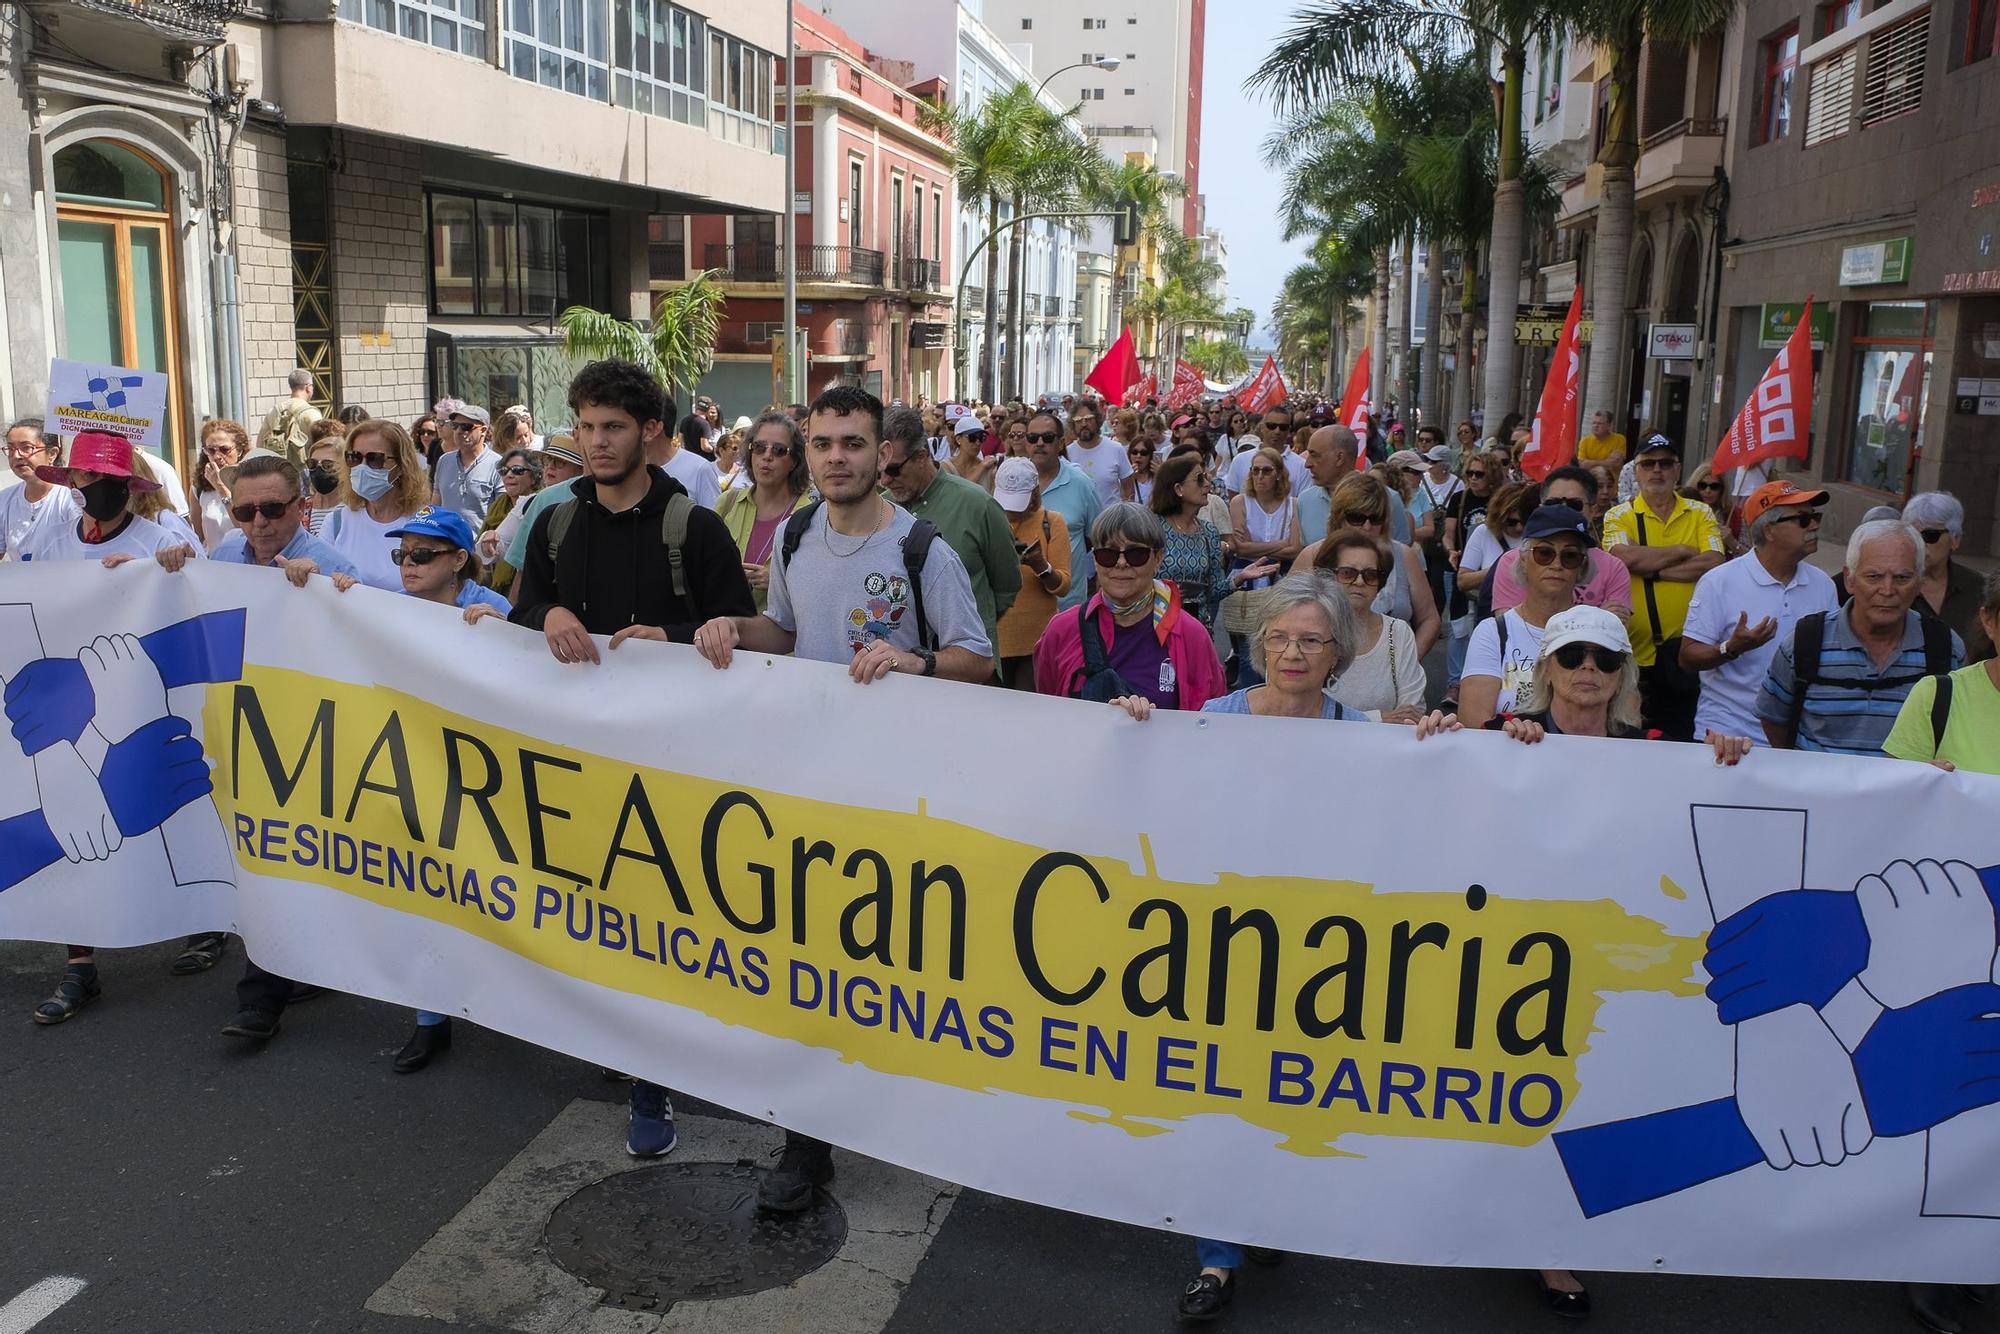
[(836, 602)]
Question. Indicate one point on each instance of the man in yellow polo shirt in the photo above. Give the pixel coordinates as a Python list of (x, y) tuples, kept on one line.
[(1603, 445), (1668, 542)]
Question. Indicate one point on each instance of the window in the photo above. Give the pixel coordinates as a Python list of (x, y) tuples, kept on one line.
[(666, 247), (1779, 60), (497, 257), (1892, 366), (657, 61), (1131, 92), (1086, 25), (937, 225), (1831, 18), (758, 332), (1979, 31), (1894, 78), (1026, 24), (453, 25), (560, 44), (1830, 97), (740, 91), (896, 225), (854, 202)]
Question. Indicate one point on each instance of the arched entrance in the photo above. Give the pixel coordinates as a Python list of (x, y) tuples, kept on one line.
[(115, 253)]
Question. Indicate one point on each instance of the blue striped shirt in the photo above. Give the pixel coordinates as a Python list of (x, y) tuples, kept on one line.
[(1844, 718)]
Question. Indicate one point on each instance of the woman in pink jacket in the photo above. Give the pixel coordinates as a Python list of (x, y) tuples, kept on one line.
[(1132, 644)]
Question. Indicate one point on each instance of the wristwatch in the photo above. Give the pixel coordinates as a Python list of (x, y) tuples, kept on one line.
[(930, 661)]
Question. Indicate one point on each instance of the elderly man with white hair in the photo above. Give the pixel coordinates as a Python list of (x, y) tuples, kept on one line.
[(1838, 682), (1951, 589)]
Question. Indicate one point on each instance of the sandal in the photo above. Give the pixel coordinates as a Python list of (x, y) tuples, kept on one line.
[(1569, 1305), (76, 990), (1205, 1296), (200, 954)]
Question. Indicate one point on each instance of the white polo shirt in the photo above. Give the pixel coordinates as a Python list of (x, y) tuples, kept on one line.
[(1743, 586)]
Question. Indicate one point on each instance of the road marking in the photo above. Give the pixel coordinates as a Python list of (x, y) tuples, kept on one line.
[(38, 1303)]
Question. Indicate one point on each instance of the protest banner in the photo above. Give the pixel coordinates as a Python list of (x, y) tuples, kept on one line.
[(90, 396), (828, 905)]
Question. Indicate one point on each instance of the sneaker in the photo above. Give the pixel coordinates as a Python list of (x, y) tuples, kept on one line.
[(257, 1025), (788, 1187), (650, 1133)]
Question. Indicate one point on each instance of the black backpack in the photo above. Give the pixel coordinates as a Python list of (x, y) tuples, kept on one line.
[(916, 549), (1809, 636), (1101, 681)]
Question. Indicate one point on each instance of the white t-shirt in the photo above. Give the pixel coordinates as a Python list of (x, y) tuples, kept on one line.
[(1483, 658), (1744, 587), (139, 539), (164, 474), (182, 530), (1748, 478), (1105, 465), (1482, 549), (695, 473), (1238, 477), (366, 542), (216, 522), (20, 517)]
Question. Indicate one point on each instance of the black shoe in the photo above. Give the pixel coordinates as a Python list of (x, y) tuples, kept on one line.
[(1978, 1293), (303, 991), (426, 1042), (200, 954), (1931, 1304), (1205, 1296), (78, 988), (257, 1025), (1569, 1305), (788, 1187), (1264, 1255)]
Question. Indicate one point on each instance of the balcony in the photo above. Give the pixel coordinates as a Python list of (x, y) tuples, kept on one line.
[(844, 339), (921, 275), (176, 18), (817, 264), (1680, 159), (1052, 307), (975, 300)]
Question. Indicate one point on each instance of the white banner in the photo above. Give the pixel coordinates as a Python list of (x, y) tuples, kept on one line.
[(1324, 988)]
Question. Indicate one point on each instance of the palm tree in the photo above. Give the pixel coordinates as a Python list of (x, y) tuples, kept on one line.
[(1217, 358), (1621, 29), (1144, 187), (1335, 42), (1056, 170), (986, 156), (677, 346), (1316, 303)]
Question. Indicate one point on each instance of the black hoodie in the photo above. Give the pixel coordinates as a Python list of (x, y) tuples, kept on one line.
[(613, 569)]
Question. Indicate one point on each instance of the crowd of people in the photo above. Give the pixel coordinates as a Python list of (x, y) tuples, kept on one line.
[(1208, 559)]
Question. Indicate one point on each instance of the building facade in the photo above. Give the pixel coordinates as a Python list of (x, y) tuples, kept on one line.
[(399, 196), (1867, 177)]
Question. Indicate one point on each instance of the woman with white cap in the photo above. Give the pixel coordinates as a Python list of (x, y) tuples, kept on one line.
[(1041, 537), (968, 450)]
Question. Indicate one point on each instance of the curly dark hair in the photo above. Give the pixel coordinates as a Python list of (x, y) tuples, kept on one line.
[(843, 399), (624, 385)]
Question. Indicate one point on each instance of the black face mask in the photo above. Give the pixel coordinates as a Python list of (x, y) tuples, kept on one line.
[(324, 479), (104, 499)]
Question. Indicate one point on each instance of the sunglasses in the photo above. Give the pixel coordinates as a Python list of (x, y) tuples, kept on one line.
[(1354, 574), (1475, 474), (1133, 556), (972, 435), (462, 426), (896, 469), (1802, 520), (1548, 553), (1658, 463), (516, 470), (273, 510), (1932, 536), (766, 450), (1570, 657), (1359, 519), (1142, 453), (416, 557), (373, 459), (1708, 486), (1571, 501), (1266, 471), (1043, 437), (427, 433)]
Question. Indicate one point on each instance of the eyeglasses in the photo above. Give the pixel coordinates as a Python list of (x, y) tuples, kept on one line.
[(418, 558), (1708, 486), (427, 433), (373, 459), (1358, 520), (1658, 463), (1044, 437), (972, 435), (1802, 520), (1932, 536), (1142, 453), (213, 450), (1475, 474), (273, 510), (1354, 574), (30, 447), (1266, 470), (1133, 556), (516, 470), (894, 469), (1548, 553), (464, 426), (1277, 643), (1571, 501), (1570, 657), (765, 449)]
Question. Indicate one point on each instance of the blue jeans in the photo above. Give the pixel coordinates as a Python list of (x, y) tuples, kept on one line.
[(1454, 658), (425, 1019), (1217, 1254), (1246, 675)]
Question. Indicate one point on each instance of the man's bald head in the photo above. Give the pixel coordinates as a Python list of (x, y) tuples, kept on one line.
[(1330, 454)]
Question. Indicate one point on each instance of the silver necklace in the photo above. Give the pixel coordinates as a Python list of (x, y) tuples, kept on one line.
[(826, 536)]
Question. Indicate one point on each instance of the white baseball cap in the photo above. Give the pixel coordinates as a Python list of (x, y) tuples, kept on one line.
[(1585, 625), (969, 424), (1014, 483)]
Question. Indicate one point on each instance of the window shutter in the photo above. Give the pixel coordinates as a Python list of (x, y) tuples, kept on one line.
[(1894, 82), (1830, 97)]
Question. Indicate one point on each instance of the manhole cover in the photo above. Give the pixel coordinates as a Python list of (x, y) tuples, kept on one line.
[(659, 1235)]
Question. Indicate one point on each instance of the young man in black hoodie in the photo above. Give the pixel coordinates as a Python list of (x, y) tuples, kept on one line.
[(631, 557)]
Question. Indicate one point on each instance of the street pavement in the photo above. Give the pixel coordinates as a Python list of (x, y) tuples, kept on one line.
[(190, 1183)]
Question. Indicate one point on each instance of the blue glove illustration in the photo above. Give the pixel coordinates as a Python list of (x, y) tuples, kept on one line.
[(1797, 947), (153, 773), (51, 699)]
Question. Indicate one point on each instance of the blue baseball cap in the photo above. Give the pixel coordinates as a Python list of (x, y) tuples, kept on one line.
[(435, 521), (1546, 521)]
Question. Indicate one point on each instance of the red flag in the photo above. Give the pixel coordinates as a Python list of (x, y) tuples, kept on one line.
[(1145, 389), (1187, 385), (1354, 404), (1554, 431), (1116, 371), (1774, 422), (1266, 388)]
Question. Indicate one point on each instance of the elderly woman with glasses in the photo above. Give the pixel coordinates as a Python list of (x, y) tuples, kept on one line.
[(755, 514), (1950, 589), (223, 445), (1133, 643), (520, 478)]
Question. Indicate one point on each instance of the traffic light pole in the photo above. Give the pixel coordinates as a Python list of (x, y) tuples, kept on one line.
[(965, 271)]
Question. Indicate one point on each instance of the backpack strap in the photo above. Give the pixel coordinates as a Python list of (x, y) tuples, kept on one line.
[(1940, 712), (1653, 603), (1807, 639), (1937, 646), (795, 531), (560, 518), (916, 549), (1096, 658), (1501, 621), (674, 532)]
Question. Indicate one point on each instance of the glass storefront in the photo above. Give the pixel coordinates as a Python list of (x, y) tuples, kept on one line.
[(498, 373), (1892, 366)]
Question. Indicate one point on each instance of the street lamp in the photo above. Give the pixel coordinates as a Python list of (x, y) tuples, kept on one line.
[(1105, 63)]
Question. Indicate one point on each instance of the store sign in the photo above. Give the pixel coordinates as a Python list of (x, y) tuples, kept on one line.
[(802, 201), (1777, 319), (1877, 262), (1540, 324), (1671, 342)]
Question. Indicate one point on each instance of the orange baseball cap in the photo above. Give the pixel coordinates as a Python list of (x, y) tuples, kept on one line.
[(1773, 494)]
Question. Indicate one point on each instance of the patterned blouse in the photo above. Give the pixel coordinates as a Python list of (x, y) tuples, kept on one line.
[(1194, 561)]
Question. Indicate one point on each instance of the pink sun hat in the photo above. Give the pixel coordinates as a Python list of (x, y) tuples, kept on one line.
[(100, 452)]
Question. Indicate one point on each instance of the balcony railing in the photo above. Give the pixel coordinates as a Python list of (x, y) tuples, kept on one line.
[(199, 16), (1698, 129), (921, 275), (1052, 305), (975, 299), (847, 338), (817, 264)]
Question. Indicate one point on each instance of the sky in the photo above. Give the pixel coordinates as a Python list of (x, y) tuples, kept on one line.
[(1241, 190)]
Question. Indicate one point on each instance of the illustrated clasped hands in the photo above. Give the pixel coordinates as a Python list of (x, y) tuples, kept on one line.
[(109, 700)]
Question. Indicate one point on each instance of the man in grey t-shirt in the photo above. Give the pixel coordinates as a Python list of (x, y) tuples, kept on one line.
[(844, 596), (467, 477)]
